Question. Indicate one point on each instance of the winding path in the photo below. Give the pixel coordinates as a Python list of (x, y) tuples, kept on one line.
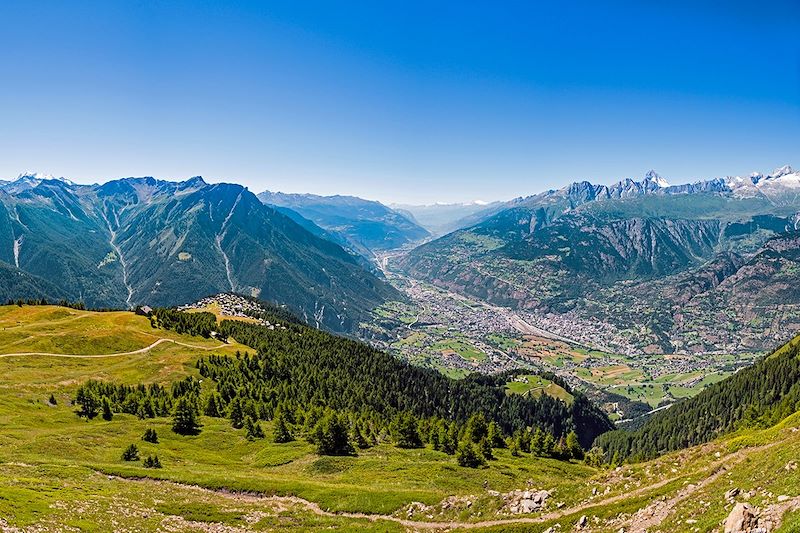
[(120, 354), (713, 471)]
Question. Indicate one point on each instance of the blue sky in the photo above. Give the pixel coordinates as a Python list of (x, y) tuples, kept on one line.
[(399, 101)]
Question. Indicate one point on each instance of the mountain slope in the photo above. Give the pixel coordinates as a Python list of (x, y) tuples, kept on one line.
[(220, 476), (757, 396), (612, 256), (366, 225), (141, 240)]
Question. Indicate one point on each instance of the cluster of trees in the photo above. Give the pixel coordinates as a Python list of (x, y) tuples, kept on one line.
[(343, 396), (199, 324), (144, 401), (300, 367), (80, 306), (131, 453), (757, 396), (43, 301)]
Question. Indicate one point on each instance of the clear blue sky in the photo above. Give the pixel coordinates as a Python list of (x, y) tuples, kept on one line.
[(399, 101)]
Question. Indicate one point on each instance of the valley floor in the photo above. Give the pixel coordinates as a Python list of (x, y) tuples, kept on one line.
[(457, 334)]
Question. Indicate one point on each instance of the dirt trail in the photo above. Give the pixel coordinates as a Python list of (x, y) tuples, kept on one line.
[(120, 354), (660, 509), (657, 511)]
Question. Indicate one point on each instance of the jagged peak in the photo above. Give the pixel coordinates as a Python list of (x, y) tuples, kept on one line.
[(782, 171), (656, 178), (27, 177)]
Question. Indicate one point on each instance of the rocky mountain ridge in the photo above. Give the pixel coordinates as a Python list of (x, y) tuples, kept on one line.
[(142, 240)]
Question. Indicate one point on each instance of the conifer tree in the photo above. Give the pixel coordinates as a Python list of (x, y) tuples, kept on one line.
[(131, 453), (537, 444), (548, 444), (330, 436), (252, 429), (185, 418), (358, 438), (405, 432), (236, 413), (573, 446), (468, 456), (495, 436), (150, 435), (485, 447), (476, 427), (88, 401), (107, 414), (213, 406), (280, 428)]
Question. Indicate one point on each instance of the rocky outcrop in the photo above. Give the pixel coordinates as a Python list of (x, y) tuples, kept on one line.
[(742, 519)]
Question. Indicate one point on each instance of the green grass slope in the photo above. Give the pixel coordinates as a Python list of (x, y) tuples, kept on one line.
[(59, 471)]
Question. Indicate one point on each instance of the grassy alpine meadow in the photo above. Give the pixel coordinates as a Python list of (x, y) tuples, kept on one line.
[(60, 471), (38, 436)]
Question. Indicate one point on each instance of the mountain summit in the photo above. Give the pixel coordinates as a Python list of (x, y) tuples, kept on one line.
[(148, 241)]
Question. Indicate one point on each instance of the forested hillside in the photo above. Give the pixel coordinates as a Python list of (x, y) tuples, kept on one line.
[(296, 367), (757, 396)]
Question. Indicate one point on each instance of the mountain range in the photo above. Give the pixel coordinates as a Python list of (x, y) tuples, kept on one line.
[(638, 266), (362, 226), (147, 241)]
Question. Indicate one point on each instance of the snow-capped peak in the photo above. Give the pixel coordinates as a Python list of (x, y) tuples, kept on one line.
[(34, 178), (783, 171), (653, 176), (29, 177)]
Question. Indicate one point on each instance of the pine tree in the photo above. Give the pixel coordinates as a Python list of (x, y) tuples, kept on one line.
[(537, 442), (131, 453), (280, 428), (88, 401), (468, 456), (152, 462), (236, 413), (595, 457), (405, 432), (523, 440), (573, 446), (213, 405), (616, 460), (485, 448), (107, 414), (252, 429), (358, 438), (495, 436), (476, 427), (548, 444), (185, 418), (330, 436), (150, 435)]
